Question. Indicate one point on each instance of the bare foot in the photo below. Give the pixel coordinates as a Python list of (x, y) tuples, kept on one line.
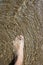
[(19, 45)]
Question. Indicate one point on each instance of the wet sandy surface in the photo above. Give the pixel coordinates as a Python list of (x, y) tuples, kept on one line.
[(21, 17)]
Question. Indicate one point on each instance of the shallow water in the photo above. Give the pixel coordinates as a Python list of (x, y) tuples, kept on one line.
[(21, 17)]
